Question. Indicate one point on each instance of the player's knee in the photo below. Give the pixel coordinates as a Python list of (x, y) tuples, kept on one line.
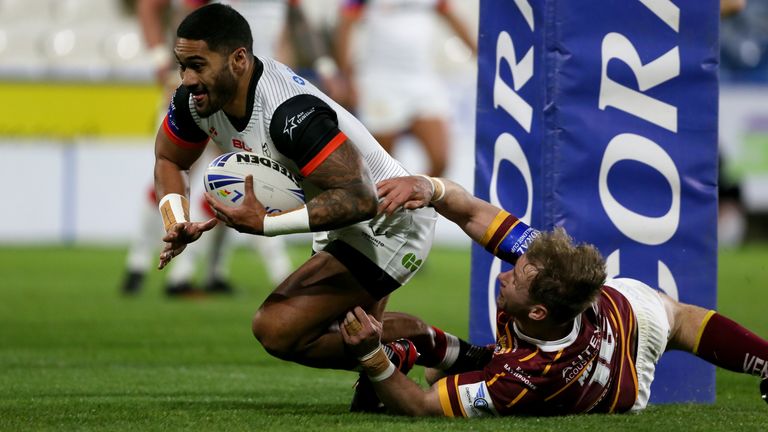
[(273, 334)]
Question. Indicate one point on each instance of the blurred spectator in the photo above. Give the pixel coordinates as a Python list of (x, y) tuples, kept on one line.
[(158, 18), (744, 41), (731, 218), (393, 84)]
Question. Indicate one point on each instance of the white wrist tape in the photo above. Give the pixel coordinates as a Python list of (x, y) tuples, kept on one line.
[(438, 187), (174, 208), (377, 365), (384, 375), (295, 221)]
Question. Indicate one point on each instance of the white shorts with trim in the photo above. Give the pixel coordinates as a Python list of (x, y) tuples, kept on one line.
[(652, 332), (397, 244), (390, 103)]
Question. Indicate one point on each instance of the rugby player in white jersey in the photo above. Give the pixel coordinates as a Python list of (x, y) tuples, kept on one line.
[(240, 101), (394, 84), (568, 340), (158, 19)]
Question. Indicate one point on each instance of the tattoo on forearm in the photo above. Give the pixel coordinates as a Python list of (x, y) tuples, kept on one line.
[(348, 196)]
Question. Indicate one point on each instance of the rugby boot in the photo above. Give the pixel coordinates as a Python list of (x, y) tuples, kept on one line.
[(182, 290), (132, 283), (402, 353), (219, 286)]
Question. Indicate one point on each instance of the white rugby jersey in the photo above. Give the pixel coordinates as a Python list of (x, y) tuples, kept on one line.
[(290, 120), (397, 35)]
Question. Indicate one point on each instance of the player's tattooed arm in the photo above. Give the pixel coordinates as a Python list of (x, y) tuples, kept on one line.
[(348, 194)]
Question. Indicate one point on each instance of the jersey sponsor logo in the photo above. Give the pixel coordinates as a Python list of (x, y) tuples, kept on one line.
[(236, 143), (255, 159), (755, 365), (520, 375), (524, 241), (293, 122), (411, 262), (299, 80), (476, 400)]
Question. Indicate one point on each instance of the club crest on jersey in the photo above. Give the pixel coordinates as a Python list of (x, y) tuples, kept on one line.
[(299, 80), (293, 122)]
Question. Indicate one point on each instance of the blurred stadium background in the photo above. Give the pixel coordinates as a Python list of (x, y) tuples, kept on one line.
[(79, 109), (78, 94)]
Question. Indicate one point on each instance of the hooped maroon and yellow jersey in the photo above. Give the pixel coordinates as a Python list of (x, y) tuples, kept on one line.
[(590, 370)]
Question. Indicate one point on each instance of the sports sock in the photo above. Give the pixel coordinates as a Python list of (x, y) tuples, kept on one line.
[(451, 354), (402, 353), (728, 345), (439, 350)]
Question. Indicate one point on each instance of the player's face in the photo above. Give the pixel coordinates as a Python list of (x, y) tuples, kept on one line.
[(206, 74), (513, 290)]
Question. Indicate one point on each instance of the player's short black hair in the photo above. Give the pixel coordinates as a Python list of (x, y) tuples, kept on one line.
[(218, 25)]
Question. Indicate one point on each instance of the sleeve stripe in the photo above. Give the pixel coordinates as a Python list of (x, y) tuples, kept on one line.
[(179, 141), (456, 399), (445, 403), (497, 230), (449, 396), (332, 145)]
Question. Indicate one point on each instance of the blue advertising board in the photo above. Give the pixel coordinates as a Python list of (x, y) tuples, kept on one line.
[(601, 117)]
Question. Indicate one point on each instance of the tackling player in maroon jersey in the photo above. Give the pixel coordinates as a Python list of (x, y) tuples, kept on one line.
[(568, 340)]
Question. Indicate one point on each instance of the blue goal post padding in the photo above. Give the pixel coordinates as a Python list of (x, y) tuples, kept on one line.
[(601, 117)]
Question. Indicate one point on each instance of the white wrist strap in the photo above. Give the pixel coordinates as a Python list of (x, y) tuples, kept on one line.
[(374, 361), (174, 208), (384, 375), (294, 221), (438, 187)]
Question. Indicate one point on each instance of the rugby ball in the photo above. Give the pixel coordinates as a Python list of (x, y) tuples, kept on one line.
[(275, 185)]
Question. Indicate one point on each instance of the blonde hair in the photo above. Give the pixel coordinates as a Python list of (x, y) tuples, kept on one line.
[(569, 275)]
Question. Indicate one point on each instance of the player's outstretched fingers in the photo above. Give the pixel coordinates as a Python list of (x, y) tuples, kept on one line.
[(208, 225)]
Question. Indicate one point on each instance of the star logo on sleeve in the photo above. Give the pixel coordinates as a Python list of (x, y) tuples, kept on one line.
[(290, 125)]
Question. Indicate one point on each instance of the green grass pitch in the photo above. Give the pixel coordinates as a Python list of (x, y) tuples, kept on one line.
[(74, 355)]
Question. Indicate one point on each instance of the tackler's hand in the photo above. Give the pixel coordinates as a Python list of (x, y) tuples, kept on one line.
[(360, 331), (410, 192)]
